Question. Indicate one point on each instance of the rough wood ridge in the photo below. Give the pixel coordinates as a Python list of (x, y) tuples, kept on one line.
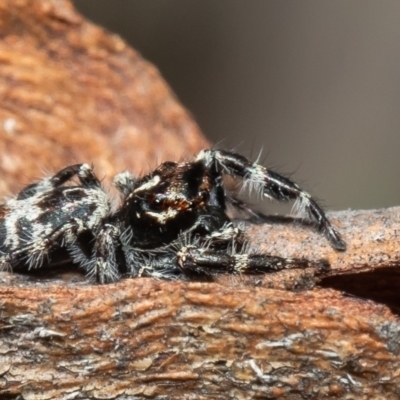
[(231, 339)]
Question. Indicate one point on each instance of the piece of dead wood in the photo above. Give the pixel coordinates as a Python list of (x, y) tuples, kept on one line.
[(71, 92), (235, 338), (369, 268)]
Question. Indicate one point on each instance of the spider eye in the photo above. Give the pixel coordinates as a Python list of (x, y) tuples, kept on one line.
[(156, 202)]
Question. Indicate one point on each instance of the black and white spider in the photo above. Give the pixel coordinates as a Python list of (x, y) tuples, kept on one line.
[(172, 223)]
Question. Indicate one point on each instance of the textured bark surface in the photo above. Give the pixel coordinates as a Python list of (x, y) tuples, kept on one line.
[(369, 268), (70, 92), (235, 338)]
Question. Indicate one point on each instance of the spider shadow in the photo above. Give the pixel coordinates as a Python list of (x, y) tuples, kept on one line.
[(60, 268), (261, 219)]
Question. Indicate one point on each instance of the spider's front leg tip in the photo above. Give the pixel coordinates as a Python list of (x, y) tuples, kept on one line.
[(340, 245), (336, 241)]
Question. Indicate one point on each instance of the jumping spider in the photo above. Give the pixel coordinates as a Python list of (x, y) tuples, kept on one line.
[(172, 222)]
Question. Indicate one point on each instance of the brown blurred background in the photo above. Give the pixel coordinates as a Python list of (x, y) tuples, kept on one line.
[(314, 83)]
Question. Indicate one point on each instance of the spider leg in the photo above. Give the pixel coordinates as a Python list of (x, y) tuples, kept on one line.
[(101, 264), (125, 182), (84, 173), (272, 185), (225, 251), (164, 267), (5, 263), (162, 262), (101, 259), (104, 265), (254, 216), (227, 234), (34, 251), (158, 263), (201, 260)]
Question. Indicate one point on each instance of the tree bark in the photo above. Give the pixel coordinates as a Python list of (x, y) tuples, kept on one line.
[(233, 338)]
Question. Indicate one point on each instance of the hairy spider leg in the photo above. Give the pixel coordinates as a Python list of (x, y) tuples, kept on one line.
[(125, 182), (272, 185), (226, 234), (213, 262), (102, 263), (225, 252), (84, 173), (104, 266), (39, 248), (162, 262), (221, 252), (254, 216)]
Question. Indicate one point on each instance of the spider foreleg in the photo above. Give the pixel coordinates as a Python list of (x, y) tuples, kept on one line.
[(272, 185)]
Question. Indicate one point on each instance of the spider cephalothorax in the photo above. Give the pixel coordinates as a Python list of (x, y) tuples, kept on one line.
[(171, 223)]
